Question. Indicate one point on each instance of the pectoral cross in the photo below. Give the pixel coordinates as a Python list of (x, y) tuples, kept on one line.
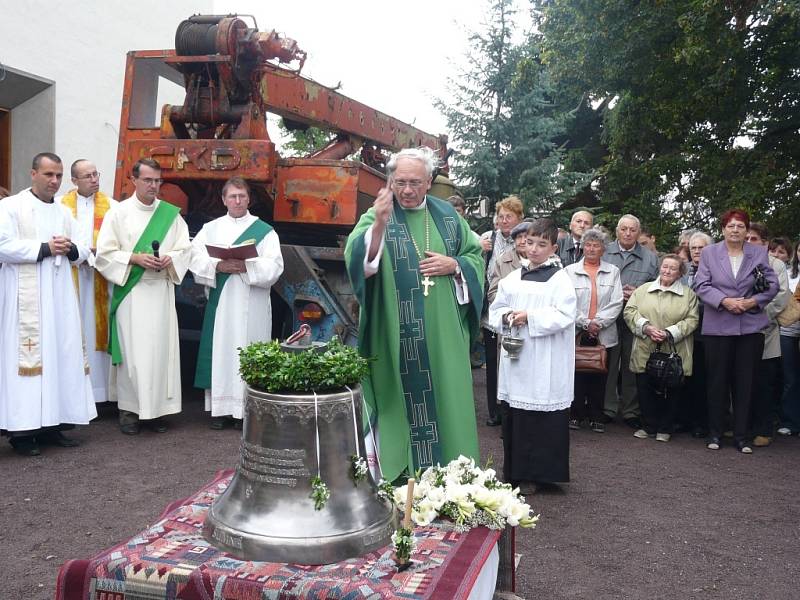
[(427, 283), (29, 344)]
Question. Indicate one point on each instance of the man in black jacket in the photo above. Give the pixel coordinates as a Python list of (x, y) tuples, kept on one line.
[(569, 247)]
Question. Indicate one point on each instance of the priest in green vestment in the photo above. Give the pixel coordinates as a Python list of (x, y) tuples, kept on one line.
[(417, 272)]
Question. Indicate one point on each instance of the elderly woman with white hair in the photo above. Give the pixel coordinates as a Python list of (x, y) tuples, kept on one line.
[(697, 242), (599, 296), (663, 311)]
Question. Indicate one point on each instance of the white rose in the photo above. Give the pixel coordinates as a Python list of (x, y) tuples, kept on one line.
[(421, 489), (507, 500), (452, 480), (471, 488), (487, 499), (436, 497), (400, 496), (467, 507), (424, 513), (429, 474), (480, 477), (518, 511), (453, 468), (457, 493)]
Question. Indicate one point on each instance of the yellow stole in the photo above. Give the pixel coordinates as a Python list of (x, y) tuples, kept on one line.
[(101, 206)]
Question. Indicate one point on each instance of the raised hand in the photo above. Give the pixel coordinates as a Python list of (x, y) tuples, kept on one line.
[(383, 210), (383, 205)]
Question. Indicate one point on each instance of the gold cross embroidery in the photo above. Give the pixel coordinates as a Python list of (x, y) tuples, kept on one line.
[(29, 344)]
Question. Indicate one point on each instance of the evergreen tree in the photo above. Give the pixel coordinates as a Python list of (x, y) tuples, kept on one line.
[(502, 119)]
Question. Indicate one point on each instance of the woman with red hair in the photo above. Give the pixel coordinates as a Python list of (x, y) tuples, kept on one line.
[(735, 282)]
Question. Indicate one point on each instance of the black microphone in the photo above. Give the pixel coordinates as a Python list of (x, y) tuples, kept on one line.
[(155, 246)]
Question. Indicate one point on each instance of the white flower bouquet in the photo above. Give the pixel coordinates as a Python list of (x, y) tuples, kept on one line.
[(467, 495)]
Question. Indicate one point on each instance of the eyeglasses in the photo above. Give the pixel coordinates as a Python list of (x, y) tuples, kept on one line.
[(150, 180), (401, 184), (89, 176)]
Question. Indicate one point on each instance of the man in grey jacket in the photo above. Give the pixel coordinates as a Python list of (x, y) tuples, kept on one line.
[(570, 248), (637, 266)]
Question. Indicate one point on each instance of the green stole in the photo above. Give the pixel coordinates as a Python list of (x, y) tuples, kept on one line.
[(415, 372), (158, 226), (202, 378)]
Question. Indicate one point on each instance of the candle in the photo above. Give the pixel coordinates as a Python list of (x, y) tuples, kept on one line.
[(409, 502)]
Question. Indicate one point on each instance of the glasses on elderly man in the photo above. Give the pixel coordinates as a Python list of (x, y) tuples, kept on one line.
[(414, 184), (89, 176)]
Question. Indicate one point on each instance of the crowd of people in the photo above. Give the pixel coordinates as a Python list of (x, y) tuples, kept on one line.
[(716, 306), (426, 286)]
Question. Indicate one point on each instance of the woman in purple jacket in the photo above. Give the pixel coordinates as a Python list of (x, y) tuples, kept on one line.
[(729, 284)]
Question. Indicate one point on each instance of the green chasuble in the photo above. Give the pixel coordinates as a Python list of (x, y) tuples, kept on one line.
[(419, 390)]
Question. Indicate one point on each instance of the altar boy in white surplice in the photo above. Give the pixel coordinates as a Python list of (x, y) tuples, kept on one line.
[(536, 389), (44, 376), (239, 311)]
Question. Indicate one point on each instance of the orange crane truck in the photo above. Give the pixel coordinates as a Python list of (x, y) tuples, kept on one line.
[(231, 76)]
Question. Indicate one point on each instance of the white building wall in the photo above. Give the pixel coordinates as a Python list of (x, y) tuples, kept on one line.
[(81, 45)]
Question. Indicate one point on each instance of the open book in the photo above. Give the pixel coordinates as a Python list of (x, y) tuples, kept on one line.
[(243, 251)]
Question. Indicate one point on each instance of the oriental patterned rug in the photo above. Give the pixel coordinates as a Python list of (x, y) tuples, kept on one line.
[(171, 561)]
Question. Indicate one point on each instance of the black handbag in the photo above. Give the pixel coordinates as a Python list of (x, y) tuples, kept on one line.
[(760, 283), (665, 367)]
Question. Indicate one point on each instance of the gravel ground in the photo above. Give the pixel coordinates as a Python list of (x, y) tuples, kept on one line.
[(639, 519)]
